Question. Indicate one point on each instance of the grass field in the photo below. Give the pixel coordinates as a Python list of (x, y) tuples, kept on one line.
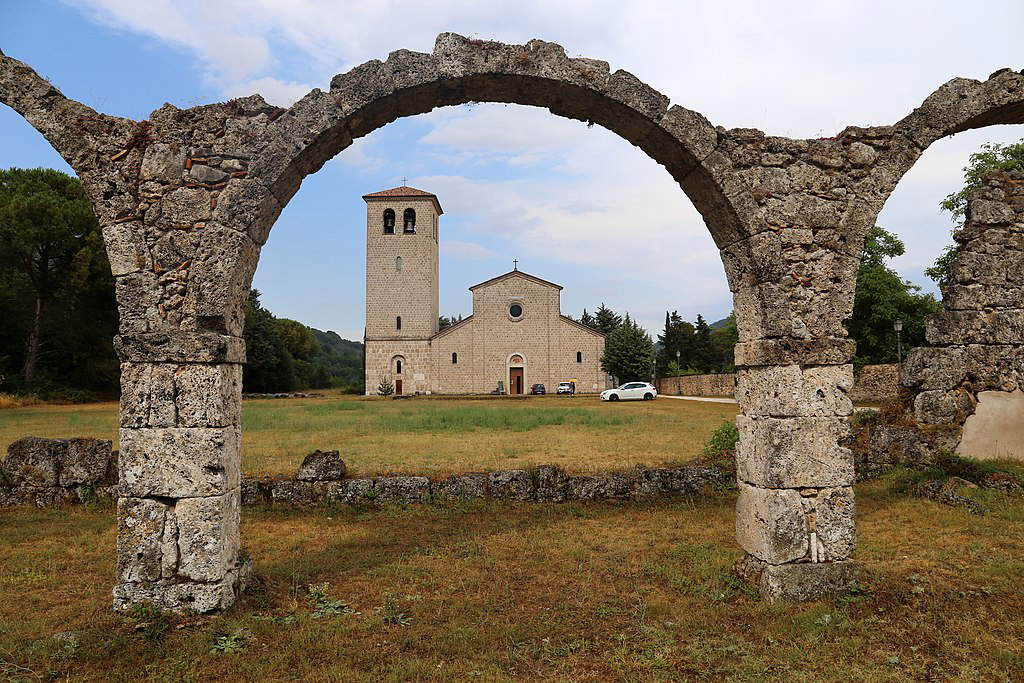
[(493, 592), (430, 436)]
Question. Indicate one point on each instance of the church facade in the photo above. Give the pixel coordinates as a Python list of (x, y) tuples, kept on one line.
[(515, 337)]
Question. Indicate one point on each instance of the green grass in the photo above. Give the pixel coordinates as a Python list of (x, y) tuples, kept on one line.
[(502, 592), (430, 436)]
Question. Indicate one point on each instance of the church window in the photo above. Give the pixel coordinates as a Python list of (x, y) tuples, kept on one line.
[(389, 221), (398, 323), (515, 311), (398, 366), (455, 358), (409, 221), (398, 263), (579, 356)]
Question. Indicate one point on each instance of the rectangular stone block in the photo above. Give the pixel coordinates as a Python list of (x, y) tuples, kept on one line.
[(1001, 326), (86, 462), (795, 391), (464, 486), (771, 524), (208, 536), (804, 582), (179, 347), (146, 540), (788, 351), (179, 462), (834, 511), (126, 248), (400, 490), (511, 485), (33, 462), (793, 452)]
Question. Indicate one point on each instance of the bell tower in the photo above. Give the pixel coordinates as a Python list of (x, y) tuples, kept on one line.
[(401, 264)]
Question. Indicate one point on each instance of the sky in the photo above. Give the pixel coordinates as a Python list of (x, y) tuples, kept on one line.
[(575, 205)]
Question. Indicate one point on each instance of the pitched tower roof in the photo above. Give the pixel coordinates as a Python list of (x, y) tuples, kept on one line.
[(404, 191)]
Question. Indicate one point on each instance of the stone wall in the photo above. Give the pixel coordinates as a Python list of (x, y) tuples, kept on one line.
[(876, 383), (872, 384), (53, 472), (722, 384), (976, 344)]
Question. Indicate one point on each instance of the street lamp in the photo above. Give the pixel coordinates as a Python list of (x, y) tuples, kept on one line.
[(679, 371), (898, 326)]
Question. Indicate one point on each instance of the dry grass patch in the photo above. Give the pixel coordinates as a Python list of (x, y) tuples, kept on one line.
[(486, 591), (432, 437)]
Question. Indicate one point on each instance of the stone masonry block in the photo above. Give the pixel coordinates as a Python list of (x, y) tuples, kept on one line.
[(834, 511), (401, 490), (789, 351), (179, 462), (462, 486), (208, 536), (33, 462), (146, 539), (126, 248), (803, 582), (86, 462), (1001, 326), (163, 163), (511, 485), (793, 452), (180, 395), (795, 391), (179, 347), (771, 524)]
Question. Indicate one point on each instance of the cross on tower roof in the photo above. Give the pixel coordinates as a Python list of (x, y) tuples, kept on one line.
[(404, 180), (515, 264)]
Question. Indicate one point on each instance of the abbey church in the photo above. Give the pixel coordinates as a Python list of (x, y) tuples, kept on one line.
[(516, 336)]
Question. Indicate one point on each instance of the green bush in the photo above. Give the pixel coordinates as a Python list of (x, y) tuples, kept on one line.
[(723, 440)]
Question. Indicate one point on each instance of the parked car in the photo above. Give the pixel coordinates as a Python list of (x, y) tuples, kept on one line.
[(538, 389), (566, 388), (631, 391)]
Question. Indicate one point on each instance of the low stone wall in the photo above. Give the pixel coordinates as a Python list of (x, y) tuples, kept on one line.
[(872, 384), (876, 383), (55, 472), (699, 385)]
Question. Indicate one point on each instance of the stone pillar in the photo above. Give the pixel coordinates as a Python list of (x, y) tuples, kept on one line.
[(179, 471), (795, 513)]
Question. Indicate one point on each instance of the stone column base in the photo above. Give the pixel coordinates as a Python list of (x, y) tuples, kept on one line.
[(186, 597), (799, 582)]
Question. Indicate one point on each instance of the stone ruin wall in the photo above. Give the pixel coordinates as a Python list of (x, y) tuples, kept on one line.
[(187, 198), (721, 384), (975, 352)]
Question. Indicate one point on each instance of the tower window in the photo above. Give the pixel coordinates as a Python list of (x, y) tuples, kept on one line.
[(389, 221), (398, 263), (579, 356), (398, 323), (398, 366), (455, 358), (409, 221)]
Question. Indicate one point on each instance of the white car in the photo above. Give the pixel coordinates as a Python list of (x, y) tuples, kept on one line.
[(631, 391)]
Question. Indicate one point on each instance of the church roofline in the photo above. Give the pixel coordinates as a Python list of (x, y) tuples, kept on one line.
[(404, 192), (515, 272), (452, 327), (577, 323)]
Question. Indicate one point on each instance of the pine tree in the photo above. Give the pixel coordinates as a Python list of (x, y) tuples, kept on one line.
[(606, 320), (588, 320), (704, 352), (628, 352), (385, 388)]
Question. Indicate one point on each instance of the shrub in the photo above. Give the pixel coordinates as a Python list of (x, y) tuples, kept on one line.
[(385, 388), (723, 440)]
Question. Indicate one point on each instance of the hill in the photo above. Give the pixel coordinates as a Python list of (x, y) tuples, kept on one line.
[(342, 358)]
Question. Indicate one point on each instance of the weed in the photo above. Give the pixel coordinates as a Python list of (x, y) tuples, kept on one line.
[(151, 621), (322, 603), (391, 614), (230, 643)]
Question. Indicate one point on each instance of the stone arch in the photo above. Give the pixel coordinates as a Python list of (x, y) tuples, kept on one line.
[(188, 197)]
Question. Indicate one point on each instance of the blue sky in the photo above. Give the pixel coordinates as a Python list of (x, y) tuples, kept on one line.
[(575, 205)]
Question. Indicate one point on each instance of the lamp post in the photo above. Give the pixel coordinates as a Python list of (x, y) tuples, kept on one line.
[(679, 371), (898, 326)]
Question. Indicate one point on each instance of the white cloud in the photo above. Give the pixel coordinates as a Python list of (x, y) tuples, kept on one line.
[(274, 91), (465, 251)]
